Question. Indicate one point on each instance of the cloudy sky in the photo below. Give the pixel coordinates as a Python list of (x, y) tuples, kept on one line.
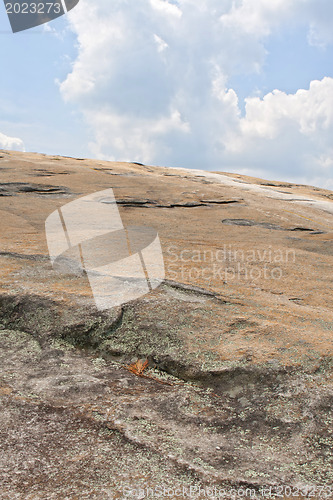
[(232, 85)]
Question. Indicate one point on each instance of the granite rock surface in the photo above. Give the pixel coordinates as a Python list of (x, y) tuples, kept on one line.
[(237, 341)]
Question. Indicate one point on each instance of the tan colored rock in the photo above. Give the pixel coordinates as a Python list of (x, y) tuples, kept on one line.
[(241, 331)]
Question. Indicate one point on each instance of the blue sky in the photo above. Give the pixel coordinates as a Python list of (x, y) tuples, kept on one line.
[(31, 106), (244, 85), (291, 63)]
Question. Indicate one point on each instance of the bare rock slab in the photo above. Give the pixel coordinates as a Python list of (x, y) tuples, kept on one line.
[(237, 392)]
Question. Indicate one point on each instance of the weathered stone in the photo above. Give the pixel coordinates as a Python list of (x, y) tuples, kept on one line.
[(238, 391)]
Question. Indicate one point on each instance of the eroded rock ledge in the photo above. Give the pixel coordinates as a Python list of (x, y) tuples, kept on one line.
[(240, 426)]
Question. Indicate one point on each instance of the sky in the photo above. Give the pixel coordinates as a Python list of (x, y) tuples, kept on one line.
[(224, 85)]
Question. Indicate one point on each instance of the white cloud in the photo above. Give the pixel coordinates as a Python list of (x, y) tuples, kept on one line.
[(161, 44), (309, 112), (167, 8), (257, 17), (291, 133), (260, 17), (151, 79), (140, 142), (321, 17), (11, 143)]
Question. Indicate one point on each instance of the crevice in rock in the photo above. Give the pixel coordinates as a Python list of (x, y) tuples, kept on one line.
[(15, 255), (225, 379), (192, 289), (276, 184), (12, 188), (41, 172), (186, 204), (128, 332), (267, 225), (120, 334), (46, 319)]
